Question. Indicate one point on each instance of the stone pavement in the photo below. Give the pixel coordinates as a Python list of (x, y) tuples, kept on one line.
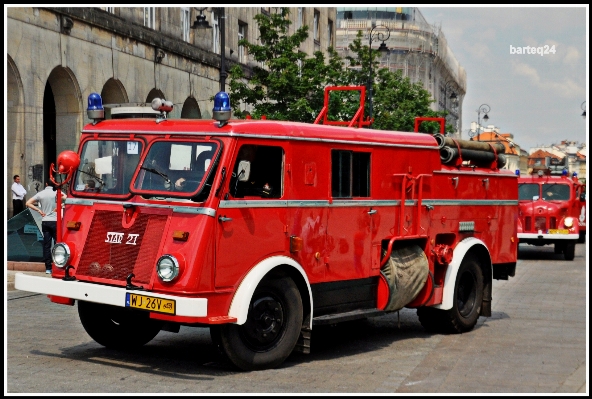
[(35, 268)]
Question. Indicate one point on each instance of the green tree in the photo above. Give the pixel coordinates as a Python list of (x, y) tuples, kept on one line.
[(396, 100), (290, 87)]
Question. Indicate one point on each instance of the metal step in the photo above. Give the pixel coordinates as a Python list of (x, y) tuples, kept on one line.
[(346, 316)]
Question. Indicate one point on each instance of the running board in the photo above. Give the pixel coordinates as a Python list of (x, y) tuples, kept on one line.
[(346, 316)]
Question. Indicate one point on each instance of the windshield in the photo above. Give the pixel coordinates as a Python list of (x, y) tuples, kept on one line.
[(107, 166), (528, 191), (176, 168), (556, 192)]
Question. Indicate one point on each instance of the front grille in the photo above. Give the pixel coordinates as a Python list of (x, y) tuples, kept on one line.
[(528, 223), (112, 261), (540, 223)]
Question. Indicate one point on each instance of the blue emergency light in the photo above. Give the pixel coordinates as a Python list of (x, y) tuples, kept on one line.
[(574, 174), (221, 111), (564, 172), (517, 172), (95, 110)]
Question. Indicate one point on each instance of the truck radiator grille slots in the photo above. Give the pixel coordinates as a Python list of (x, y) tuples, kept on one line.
[(540, 223), (134, 254)]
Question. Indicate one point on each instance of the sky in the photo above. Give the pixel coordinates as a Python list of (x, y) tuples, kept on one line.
[(537, 98)]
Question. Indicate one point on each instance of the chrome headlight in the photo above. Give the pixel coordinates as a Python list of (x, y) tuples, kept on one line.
[(568, 222), (167, 268), (60, 254)]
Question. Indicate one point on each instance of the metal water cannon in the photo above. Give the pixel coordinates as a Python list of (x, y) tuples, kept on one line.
[(221, 111)]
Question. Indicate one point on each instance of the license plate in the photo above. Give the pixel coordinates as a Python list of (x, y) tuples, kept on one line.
[(558, 231), (150, 303)]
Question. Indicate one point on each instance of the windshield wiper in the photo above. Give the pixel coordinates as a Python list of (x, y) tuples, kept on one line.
[(93, 176), (157, 172)]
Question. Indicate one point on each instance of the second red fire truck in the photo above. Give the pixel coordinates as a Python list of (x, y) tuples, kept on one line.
[(261, 230), (552, 210)]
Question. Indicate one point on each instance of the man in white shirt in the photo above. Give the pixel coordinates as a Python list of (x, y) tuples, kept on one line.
[(44, 202), (18, 196)]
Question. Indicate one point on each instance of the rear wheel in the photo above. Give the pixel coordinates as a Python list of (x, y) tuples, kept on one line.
[(569, 251), (117, 327), (271, 331), (468, 296)]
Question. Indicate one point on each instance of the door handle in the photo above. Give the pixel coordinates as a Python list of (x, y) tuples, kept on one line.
[(224, 219), (371, 211)]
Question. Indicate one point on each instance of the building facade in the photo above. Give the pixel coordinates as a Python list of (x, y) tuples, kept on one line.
[(56, 57), (416, 48)]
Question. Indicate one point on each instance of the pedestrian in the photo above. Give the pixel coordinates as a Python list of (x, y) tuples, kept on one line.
[(18, 196), (44, 202)]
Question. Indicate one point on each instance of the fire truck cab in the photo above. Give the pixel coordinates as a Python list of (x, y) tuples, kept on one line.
[(261, 230), (552, 209)]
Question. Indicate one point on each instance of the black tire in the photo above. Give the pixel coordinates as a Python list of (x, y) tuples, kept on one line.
[(468, 297), (117, 327), (431, 319), (569, 251), (558, 248), (582, 237), (271, 331)]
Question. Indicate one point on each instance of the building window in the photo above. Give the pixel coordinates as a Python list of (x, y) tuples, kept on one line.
[(242, 34), (350, 174), (300, 19), (329, 33), (186, 22), (216, 35), (150, 17), (110, 10), (317, 29), (265, 10)]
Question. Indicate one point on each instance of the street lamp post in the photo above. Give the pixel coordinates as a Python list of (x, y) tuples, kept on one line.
[(483, 108), (382, 36), (583, 107), (202, 23)]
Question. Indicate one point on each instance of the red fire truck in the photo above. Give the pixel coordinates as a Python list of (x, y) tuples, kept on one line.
[(552, 210), (261, 230)]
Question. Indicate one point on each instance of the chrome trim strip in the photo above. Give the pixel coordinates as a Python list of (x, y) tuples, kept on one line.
[(473, 173), (340, 203), (176, 208), (469, 202)]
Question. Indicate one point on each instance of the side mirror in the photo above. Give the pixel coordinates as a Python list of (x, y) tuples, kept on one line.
[(244, 170)]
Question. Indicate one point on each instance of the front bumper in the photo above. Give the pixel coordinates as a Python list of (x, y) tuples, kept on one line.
[(550, 237), (116, 296)]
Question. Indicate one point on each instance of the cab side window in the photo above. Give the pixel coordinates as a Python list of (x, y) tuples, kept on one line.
[(350, 174), (265, 174)]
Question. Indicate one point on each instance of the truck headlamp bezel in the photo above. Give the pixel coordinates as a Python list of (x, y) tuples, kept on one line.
[(60, 254), (167, 268)]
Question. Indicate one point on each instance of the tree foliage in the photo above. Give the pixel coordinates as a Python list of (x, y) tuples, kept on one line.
[(288, 85)]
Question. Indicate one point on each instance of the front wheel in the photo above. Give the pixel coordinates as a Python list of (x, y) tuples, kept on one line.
[(569, 251), (271, 331), (117, 327)]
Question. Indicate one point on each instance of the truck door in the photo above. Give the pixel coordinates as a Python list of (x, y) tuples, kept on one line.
[(349, 224), (252, 214)]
